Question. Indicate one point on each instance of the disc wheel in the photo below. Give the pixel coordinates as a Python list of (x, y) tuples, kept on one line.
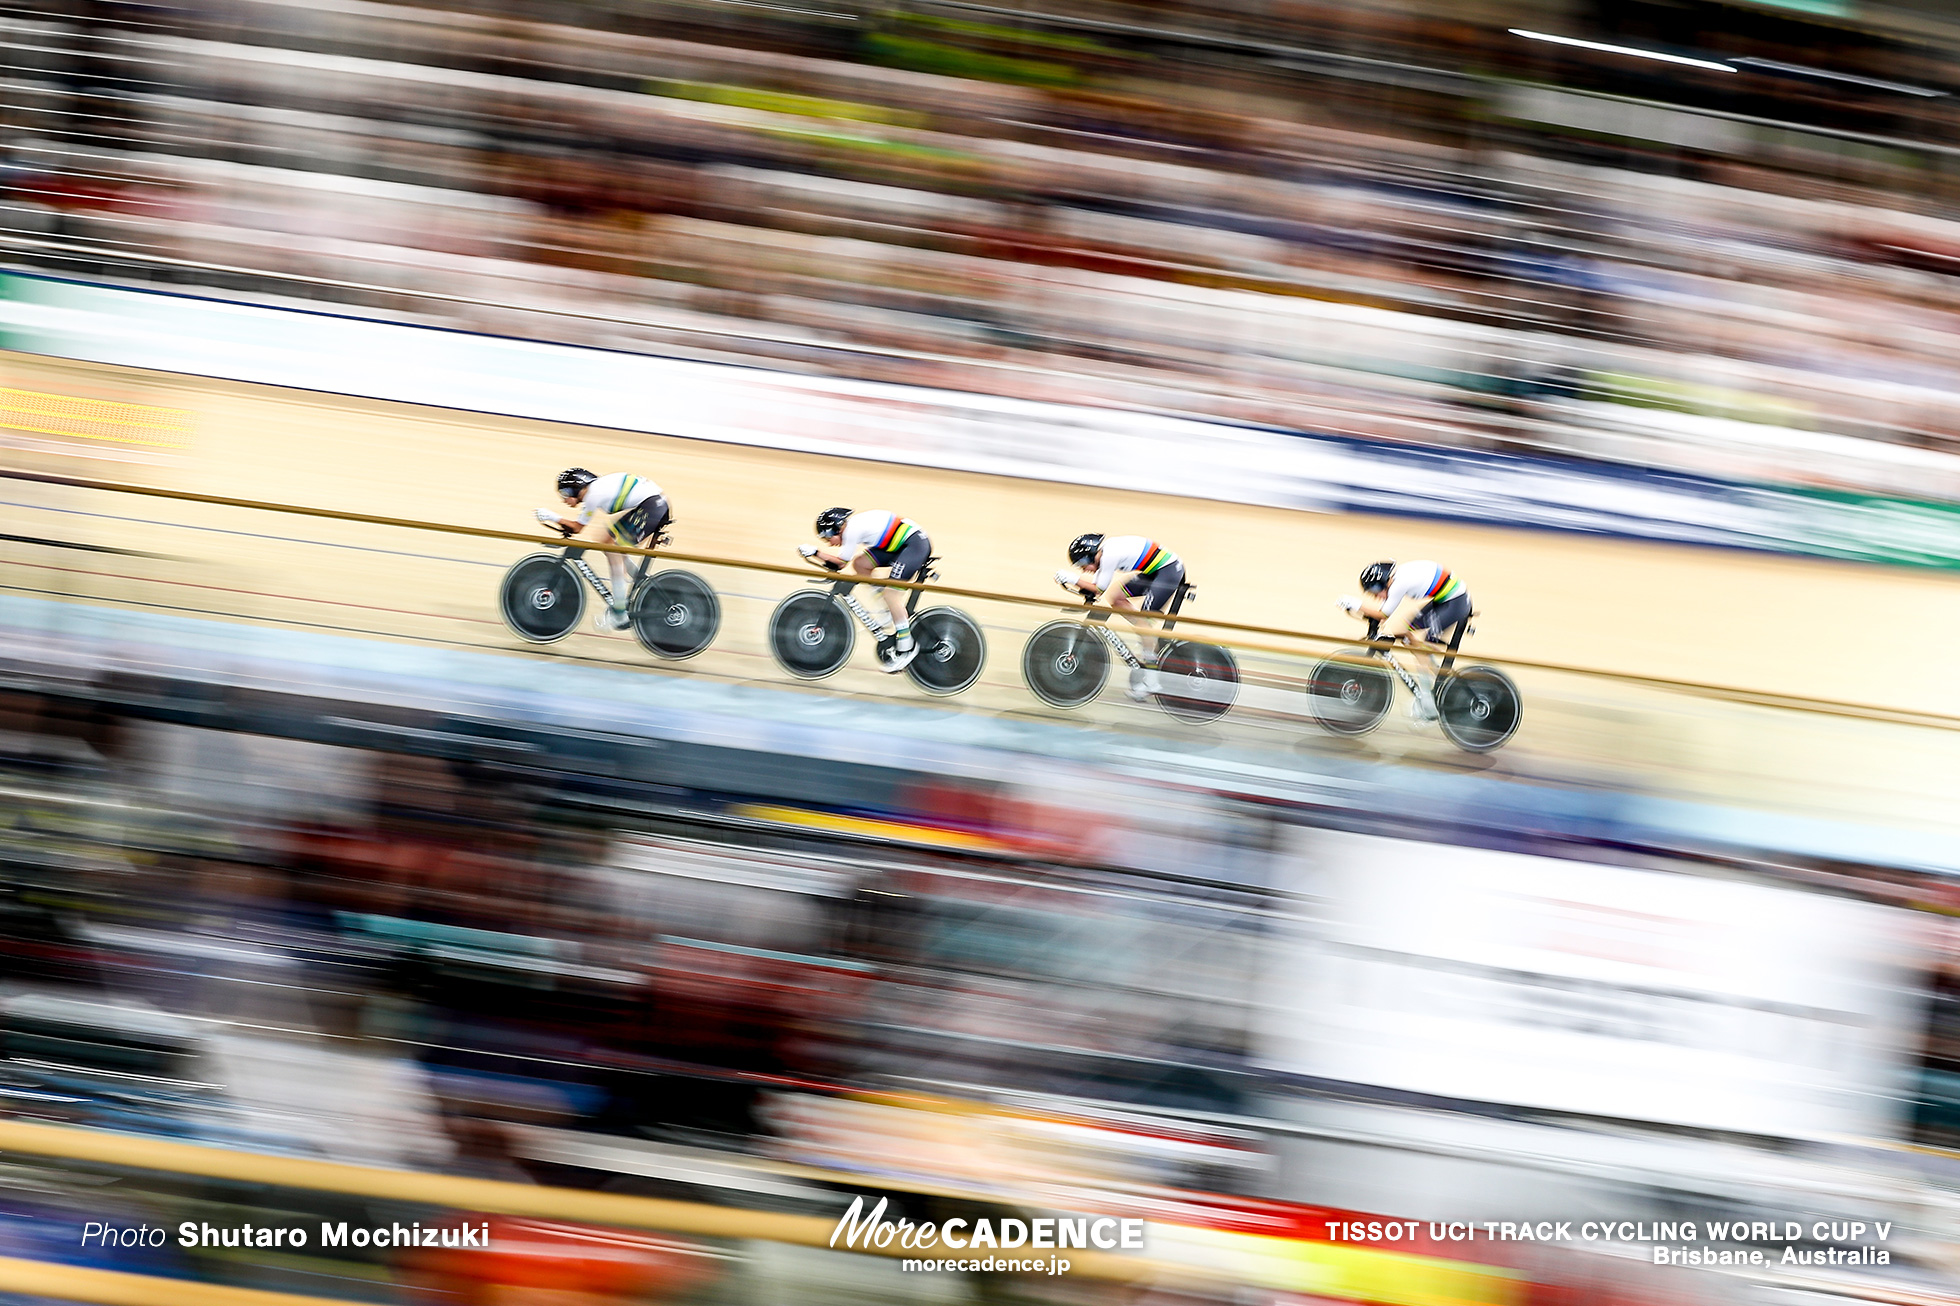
[(542, 599), (1349, 697), (675, 614), (952, 651), (1200, 681), (1478, 708), (1065, 663), (811, 635)]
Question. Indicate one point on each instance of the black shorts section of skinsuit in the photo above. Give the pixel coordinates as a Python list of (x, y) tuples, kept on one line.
[(1156, 589), (908, 559), (1441, 618), (645, 521)]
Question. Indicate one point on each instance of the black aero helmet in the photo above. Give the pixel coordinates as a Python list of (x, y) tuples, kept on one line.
[(1375, 577), (831, 522), (573, 480), (1083, 548)]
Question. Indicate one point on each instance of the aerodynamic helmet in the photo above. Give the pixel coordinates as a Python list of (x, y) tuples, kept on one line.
[(1375, 577), (573, 480), (831, 522), (1083, 548)]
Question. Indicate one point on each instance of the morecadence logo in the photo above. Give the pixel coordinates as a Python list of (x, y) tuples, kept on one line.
[(858, 1230)]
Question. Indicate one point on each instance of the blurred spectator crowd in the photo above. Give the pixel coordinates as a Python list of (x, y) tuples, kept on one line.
[(458, 953), (385, 958), (1402, 222)]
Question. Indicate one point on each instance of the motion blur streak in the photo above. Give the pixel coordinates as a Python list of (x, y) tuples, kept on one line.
[(334, 914), (1312, 219), (378, 916)]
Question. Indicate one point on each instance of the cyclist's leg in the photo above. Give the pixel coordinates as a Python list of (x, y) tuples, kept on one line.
[(598, 530), (604, 528), (866, 567), (1123, 601), (621, 570), (1418, 640), (1140, 594), (640, 528), (630, 528), (908, 563), (1428, 635), (1434, 628), (891, 657), (1150, 593)]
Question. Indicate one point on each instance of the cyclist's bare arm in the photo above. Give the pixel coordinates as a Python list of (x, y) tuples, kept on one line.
[(1369, 609), (596, 531), (835, 557), (1078, 580)]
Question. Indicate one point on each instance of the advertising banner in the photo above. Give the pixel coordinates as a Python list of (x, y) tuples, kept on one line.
[(957, 430), (1491, 976)]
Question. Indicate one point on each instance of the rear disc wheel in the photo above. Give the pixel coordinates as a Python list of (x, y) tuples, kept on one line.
[(1200, 682), (952, 651), (675, 614), (1478, 708)]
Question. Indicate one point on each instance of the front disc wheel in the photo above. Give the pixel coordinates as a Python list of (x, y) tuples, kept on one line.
[(542, 598), (1065, 663), (1349, 694), (811, 635)]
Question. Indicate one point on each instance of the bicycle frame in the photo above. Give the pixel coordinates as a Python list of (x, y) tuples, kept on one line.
[(575, 559), (1099, 621), (842, 590), (1387, 653), (1119, 645)]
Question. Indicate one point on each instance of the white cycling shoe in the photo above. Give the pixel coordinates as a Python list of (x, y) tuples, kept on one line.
[(610, 619), (1422, 709), (1144, 683), (900, 656)]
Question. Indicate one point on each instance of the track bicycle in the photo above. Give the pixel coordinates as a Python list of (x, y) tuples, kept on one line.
[(811, 634), (1066, 664), (673, 613), (1477, 707)]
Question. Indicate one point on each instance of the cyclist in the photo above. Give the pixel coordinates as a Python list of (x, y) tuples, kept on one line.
[(621, 509), (1441, 601), (865, 541), (1154, 575)]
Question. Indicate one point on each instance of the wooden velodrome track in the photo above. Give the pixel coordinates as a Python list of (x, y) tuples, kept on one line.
[(1777, 625)]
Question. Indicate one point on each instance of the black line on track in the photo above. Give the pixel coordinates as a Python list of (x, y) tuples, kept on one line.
[(73, 544)]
